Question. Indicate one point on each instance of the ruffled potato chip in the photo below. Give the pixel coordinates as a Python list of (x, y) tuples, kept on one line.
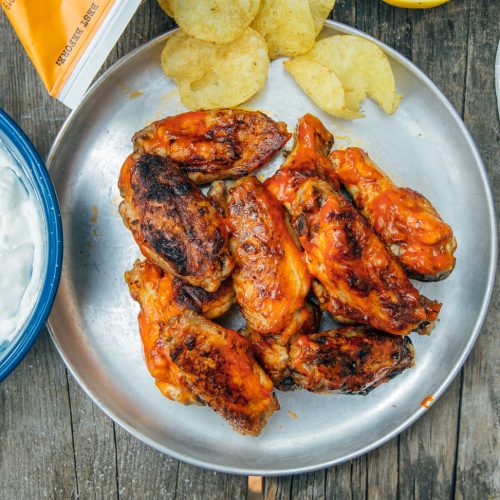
[(319, 11), (361, 66), (218, 21), (287, 26), (322, 85), (210, 75), (165, 5)]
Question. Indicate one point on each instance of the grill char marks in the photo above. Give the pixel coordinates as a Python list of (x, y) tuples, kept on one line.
[(351, 360), (359, 280), (218, 144), (173, 222)]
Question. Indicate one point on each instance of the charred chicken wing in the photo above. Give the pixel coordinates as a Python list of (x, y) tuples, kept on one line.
[(218, 144), (351, 360), (358, 280), (162, 297), (403, 218), (194, 360), (173, 223), (220, 367), (271, 279)]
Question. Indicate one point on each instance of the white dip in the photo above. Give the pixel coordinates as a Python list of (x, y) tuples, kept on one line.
[(20, 249)]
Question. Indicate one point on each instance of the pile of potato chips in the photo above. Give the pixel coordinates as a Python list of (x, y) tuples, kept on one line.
[(220, 56)]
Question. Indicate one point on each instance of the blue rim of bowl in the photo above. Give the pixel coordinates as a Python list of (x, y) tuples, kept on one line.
[(50, 206)]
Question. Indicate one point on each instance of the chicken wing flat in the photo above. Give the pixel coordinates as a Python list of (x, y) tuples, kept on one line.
[(358, 279), (194, 360), (351, 360), (271, 279), (218, 144), (173, 223), (403, 218), (220, 367), (162, 297)]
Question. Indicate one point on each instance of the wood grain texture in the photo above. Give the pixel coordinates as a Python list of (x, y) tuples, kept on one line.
[(56, 443), (477, 468)]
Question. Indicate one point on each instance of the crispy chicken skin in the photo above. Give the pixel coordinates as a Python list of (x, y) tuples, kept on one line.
[(173, 223), (218, 144), (308, 158), (220, 367), (194, 360), (270, 278), (351, 360), (403, 218), (358, 280)]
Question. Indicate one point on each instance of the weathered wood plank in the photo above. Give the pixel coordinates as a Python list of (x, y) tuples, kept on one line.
[(94, 446), (36, 452), (478, 450), (427, 449)]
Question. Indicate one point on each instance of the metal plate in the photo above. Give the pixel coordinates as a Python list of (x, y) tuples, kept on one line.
[(424, 145)]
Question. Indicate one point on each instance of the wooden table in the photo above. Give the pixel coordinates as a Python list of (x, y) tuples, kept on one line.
[(54, 442)]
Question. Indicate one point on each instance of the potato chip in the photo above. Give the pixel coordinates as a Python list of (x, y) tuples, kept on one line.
[(287, 26), (319, 11), (210, 75), (322, 85), (362, 67), (165, 5), (218, 21)]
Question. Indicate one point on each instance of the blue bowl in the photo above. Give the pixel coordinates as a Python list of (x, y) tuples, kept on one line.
[(40, 188)]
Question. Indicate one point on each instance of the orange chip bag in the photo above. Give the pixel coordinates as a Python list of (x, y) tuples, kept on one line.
[(68, 40)]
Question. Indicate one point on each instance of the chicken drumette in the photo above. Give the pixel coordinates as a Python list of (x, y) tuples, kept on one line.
[(271, 280), (403, 218)]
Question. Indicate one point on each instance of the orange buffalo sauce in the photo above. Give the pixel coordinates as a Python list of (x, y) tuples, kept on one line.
[(403, 218), (427, 402)]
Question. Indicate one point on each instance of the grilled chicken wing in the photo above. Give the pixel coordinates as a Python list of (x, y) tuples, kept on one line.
[(350, 360), (308, 158), (162, 297), (219, 365), (271, 279), (403, 218), (218, 144), (194, 360), (173, 223), (358, 279)]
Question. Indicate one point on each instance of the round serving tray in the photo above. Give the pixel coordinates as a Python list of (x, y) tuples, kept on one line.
[(93, 323)]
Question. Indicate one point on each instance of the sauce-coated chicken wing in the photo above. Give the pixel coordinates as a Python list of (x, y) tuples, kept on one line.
[(403, 218), (194, 360), (351, 360), (270, 278), (218, 144), (358, 279), (162, 297), (172, 221), (220, 367)]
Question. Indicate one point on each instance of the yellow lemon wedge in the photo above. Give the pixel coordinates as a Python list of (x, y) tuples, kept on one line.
[(416, 4)]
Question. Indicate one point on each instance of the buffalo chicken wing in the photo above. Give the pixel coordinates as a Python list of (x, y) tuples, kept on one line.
[(351, 360), (271, 279), (173, 223), (194, 360), (218, 144), (358, 280), (403, 218)]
